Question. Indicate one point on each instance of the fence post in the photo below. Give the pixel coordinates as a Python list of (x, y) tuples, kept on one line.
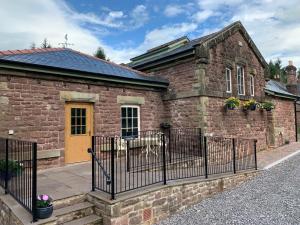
[(200, 141), (128, 156), (112, 167), (255, 154), (6, 167), (170, 155), (93, 163), (205, 157), (34, 181), (164, 159), (233, 155)]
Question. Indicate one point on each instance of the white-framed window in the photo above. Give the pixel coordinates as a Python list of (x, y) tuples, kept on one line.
[(130, 120), (251, 85), (240, 80), (228, 80)]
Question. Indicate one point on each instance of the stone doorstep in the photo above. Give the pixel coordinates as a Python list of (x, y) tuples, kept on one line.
[(72, 212), (88, 220), (148, 189), (60, 203)]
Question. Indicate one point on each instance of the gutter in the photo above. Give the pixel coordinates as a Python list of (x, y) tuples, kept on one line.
[(293, 97), (6, 64)]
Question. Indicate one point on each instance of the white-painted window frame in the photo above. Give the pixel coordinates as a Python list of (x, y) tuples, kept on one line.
[(252, 89), (241, 80), (138, 115), (228, 80)]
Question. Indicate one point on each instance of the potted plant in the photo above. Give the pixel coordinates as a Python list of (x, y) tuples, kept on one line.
[(14, 169), (268, 106), (250, 104), (44, 206), (232, 103)]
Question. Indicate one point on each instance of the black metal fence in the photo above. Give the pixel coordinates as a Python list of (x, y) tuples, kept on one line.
[(18, 171), (121, 164)]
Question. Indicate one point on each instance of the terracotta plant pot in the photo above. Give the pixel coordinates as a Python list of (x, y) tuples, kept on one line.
[(44, 213)]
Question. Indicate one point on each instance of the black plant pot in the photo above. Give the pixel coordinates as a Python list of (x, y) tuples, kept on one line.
[(9, 175), (268, 110), (44, 213), (230, 107), (253, 107)]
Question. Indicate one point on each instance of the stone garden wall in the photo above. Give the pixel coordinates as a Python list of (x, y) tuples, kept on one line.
[(159, 202)]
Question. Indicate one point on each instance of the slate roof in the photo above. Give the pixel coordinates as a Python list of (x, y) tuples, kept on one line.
[(279, 88), (190, 46), (68, 59)]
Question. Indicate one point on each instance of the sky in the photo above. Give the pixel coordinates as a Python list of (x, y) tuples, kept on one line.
[(127, 28)]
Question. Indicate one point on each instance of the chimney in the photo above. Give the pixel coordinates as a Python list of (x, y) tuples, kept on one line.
[(291, 78)]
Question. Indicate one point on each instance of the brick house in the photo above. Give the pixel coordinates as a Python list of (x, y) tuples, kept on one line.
[(60, 97)]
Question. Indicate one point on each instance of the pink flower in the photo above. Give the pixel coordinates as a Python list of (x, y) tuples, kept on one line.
[(45, 197)]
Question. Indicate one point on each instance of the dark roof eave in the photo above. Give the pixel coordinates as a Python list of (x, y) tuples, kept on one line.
[(150, 64), (79, 74), (294, 97)]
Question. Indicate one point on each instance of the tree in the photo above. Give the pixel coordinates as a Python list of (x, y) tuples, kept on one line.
[(276, 69), (46, 44), (100, 54), (33, 45)]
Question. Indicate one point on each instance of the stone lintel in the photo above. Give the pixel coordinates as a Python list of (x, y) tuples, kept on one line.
[(130, 100), (78, 96)]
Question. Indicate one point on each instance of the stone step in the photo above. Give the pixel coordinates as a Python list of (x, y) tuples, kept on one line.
[(73, 212), (88, 220), (64, 202)]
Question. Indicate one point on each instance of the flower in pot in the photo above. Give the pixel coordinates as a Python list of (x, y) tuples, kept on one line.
[(250, 105), (13, 169), (44, 207), (232, 103), (268, 106)]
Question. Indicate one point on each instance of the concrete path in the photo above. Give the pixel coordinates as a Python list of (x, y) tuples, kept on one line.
[(272, 198), (65, 181)]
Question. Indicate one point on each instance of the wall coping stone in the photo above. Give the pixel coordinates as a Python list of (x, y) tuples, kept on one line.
[(130, 100)]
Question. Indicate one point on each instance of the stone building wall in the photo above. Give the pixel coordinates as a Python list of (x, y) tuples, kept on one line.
[(35, 110)]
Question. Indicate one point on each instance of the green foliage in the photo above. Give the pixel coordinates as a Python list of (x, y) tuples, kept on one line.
[(13, 166), (46, 44), (267, 106), (250, 103), (100, 54), (43, 201), (276, 69), (232, 102)]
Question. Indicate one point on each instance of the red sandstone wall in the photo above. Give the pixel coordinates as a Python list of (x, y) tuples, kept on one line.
[(35, 111), (230, 53)]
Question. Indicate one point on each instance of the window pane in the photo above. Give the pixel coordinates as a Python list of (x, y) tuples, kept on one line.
[(129, 132), (73, 112), (129, 122), (123, 112), (134, 112), (73, 130), (135, 122), (78, 129), (124, 123), (78, 122), (129, 112), (135, 132), (83, 121), (123, 132), (83, 130), (83, 113), (72, 121)]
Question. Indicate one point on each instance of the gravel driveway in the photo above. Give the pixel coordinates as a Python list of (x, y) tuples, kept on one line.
[(271, 198)]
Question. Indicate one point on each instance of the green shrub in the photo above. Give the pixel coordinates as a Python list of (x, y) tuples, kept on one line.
[(13, 166)]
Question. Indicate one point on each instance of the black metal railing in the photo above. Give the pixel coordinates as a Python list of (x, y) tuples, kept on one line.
[(18, 172), (121, 164)]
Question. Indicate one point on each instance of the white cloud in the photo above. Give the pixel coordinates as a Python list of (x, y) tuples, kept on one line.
[(139, 16), (201, 16), (173, 10)]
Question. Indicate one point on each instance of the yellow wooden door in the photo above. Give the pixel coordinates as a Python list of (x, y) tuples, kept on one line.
[(78, 131)]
